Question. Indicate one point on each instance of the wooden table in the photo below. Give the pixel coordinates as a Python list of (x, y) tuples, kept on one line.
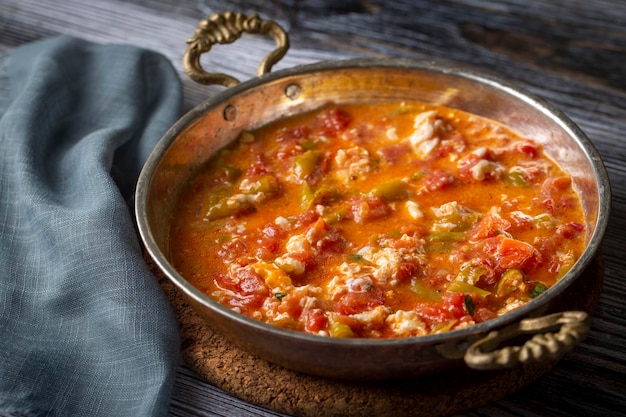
[(570, 52)]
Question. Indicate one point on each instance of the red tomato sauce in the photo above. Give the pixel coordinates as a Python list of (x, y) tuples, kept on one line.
[(377, 221)]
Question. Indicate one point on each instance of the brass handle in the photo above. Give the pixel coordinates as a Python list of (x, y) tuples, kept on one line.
[(486, 353), (227, 28)]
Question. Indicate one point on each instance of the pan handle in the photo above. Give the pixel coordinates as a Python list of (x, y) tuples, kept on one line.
[(227, 28), (486, 353)]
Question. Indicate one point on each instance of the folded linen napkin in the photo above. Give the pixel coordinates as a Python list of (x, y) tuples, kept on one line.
[(84, 327)]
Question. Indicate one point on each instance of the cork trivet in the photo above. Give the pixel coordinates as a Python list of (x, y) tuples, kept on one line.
[(259, 382)]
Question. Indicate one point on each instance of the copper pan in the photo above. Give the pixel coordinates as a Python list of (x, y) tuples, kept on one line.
[(548, 333)]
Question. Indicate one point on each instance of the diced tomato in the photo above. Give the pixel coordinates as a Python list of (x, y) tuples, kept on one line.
[(269, 241), (549, 205), (465, 165), (248, 286), (358, 302), (406, 270), (451, 143), (293, 134), (287, 151), (291, 305), (392, 153), (306, 258), (266, 251), (317, 230), (520, 221), (233, 249), (443, 150), (553, 186), (432, 314), (554, 191), (316, 320), (324, 237), (333, 242), (438, 180), (454, 304), (360, 134), (274, 230), (549, 249), (250, 282), (306, 218), (367, 208), (489, 226), (483, 314), (451, 308), (528, 148), (258, 167), (268, 244), (334, 121), (510, 253), (570, 230), (476, 168)]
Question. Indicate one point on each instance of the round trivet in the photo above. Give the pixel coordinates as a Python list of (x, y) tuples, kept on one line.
[(259, 382)]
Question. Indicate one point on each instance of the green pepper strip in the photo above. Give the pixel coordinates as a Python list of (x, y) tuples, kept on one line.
[(305, 164), (393, 190)]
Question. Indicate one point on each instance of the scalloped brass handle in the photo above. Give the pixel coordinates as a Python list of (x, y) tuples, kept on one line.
[(227, 28), (570, 327)]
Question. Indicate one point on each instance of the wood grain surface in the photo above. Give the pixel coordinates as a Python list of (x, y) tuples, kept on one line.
[(569, 52)]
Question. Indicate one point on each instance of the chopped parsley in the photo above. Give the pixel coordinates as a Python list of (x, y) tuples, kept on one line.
[(537, 290), (280, 295), (355, 257), (470, 306)]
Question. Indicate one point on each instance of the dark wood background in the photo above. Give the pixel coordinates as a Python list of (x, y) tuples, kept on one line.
[(570, 52)]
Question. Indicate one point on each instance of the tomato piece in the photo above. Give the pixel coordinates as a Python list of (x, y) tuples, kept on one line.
[(406, 270), (452, 308), (272, 230), (483, 314), (489, 225), (364, 209), (508, 253), (570, 230), (317, 230), (316, 320), (438, 180), (325, 238), (465, 165), (333, 242), (307, 218), (233, 249), (306, 258), (258, 167), (293, 134), (393, 153), (269, 241), (454, 304), (334, 121), (557, 194), (291, 306), (432, 314), (358, 302), (247, 286), (526, 148), (554, 186)]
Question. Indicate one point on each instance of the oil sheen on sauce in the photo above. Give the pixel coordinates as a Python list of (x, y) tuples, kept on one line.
[(377, 221)]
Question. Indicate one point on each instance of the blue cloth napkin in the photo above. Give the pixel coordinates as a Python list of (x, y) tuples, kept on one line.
[(84, 328)]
